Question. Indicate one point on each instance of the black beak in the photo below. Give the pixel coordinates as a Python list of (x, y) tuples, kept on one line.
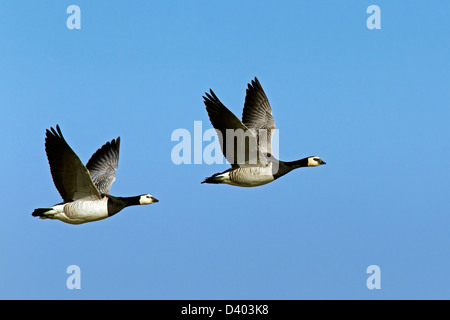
[(154, 200), (322, 162)]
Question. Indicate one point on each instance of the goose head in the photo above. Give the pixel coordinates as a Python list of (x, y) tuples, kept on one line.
[(147, 199), (315, 161)]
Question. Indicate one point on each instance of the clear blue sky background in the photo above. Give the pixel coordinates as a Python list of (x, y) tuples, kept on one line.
[(374, 104)]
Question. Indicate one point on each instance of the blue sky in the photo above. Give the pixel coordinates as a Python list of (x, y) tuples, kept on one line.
[(372, 103)]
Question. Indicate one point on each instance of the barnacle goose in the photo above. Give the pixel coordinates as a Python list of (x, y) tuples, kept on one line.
[(84, 189), (251, 159)]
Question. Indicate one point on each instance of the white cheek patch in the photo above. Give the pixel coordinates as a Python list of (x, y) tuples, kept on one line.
[(312, 162), (145, 200)]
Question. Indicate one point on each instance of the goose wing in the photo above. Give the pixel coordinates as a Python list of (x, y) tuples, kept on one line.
[(103, 165), (238, 143), (70, 176), (257, 115)]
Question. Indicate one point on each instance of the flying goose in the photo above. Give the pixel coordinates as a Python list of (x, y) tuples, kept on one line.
[(84, 189), (252, 162)]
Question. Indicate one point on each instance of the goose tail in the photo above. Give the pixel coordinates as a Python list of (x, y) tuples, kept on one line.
[(41, 212), (218, 177), (211, 179)]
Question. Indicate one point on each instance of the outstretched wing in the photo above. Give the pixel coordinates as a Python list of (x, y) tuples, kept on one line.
[(103, 165), (70, 176), (257, 116), (238, 144)]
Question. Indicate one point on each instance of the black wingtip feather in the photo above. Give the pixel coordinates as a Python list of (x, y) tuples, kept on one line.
[(210, 97), (255, 84), (56, 133)]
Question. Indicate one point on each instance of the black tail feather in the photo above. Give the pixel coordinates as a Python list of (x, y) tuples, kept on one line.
[(212, 179), (40, 212)]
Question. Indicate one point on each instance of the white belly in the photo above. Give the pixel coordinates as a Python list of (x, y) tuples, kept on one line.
[(249, 177), (82, 211)]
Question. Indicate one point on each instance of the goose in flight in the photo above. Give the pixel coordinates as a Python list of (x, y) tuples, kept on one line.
[(247, 144), (84, 189)]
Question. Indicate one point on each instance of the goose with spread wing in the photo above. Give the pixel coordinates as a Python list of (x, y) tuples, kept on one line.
[(84, 189), (247, 144)]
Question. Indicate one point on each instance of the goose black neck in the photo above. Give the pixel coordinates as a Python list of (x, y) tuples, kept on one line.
[(297, 164), (116, 204), (287, 166)]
